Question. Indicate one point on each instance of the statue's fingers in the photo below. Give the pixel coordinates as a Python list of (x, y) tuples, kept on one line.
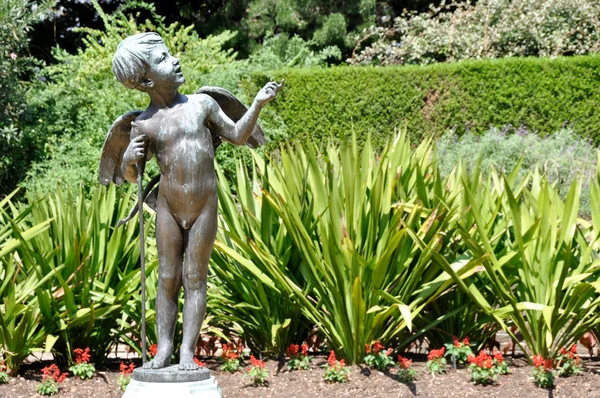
[(280, 85)]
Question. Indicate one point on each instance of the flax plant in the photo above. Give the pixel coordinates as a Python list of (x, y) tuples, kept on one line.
[(487, 193), (20, 330), (543, 269), (246, 300), (95, 265), (348, 214)]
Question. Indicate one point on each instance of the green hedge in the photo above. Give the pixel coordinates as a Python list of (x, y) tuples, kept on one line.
[(542, 94)]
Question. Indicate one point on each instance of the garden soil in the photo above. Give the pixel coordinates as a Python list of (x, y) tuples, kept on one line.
[(362, 383)]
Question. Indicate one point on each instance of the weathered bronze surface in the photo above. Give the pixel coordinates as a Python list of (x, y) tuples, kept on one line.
[(182, 133)]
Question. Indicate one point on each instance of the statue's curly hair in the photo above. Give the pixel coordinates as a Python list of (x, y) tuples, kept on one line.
[(131, 60)]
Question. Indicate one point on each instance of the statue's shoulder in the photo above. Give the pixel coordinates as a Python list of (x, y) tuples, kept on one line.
[(200, 98)]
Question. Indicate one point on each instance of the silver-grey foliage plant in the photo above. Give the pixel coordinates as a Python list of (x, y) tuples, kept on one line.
[(562, 156)]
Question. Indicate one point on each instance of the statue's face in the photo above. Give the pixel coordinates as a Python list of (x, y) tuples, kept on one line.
[(164, 69)]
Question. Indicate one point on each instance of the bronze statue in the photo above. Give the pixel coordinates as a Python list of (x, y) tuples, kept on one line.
[(182, 132)]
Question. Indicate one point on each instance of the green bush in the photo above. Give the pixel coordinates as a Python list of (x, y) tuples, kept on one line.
[(542, 94)]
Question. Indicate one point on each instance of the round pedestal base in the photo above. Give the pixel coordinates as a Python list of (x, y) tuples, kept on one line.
[(198, 389)]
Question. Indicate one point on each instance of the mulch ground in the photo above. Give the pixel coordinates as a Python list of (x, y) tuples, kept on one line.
[(362, 383)]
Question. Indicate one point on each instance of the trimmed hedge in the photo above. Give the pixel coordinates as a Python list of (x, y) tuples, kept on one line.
[(542, 94)]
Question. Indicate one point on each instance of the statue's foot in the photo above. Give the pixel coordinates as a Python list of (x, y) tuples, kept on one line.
[(161, 360), (186, 362)]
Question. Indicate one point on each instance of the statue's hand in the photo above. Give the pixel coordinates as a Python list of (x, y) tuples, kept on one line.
[(135, 151), (268, 92)]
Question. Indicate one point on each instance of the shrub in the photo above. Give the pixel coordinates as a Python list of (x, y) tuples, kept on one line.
[(75, 275), (258, 371), (378, 357), (427, 101), (4, 378), (336, 371), (561, 156), (21, 329), (459, 349), (76, 99), (299, 359), (436, 363), (406, 374), (51, 378), (538, 258), (83, 369), (125, 375), (500, 363), (231, 359), (542, 372), (17, 67), (568, 362), (482, 368), (486, 29)]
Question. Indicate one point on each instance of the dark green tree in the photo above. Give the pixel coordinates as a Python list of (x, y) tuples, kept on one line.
[(16, 66)]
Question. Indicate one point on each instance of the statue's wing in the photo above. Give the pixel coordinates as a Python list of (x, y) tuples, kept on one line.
[(233, 108), (115, 145)]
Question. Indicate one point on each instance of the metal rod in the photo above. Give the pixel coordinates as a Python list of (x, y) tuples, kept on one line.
[(142, 254)]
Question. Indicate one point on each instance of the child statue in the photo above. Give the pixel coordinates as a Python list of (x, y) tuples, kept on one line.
[(182, 132)]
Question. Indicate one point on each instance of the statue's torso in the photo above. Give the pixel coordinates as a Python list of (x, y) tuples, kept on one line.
[(184, 151)]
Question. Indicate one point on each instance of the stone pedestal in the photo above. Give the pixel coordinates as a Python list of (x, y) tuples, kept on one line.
[(171, 382)]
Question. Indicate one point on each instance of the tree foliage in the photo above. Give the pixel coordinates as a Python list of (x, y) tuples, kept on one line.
[(73, 108), (16, 20)]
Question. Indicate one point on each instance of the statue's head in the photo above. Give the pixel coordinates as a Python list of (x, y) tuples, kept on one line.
[(143, 62)]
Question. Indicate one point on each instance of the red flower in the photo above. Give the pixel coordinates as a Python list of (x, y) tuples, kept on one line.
[(257, 362), (199, 362), (2, 366), (389, 352), (332, 361), (487, 363), (549, 364), (367, 348), (574, 349), (456, 343), (305, 349), (152, 350), (563, 351), (404, 363), (377, 346), (126, 370), (228, 354), (61, 378), (538, 360), (483, 360), (498, 356), (342, 363), (53, 372), (82, 356), (292, 350), (434, 354)]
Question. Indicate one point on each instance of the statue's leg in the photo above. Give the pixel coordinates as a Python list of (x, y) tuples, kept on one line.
[(201, 239), (169, 243)]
